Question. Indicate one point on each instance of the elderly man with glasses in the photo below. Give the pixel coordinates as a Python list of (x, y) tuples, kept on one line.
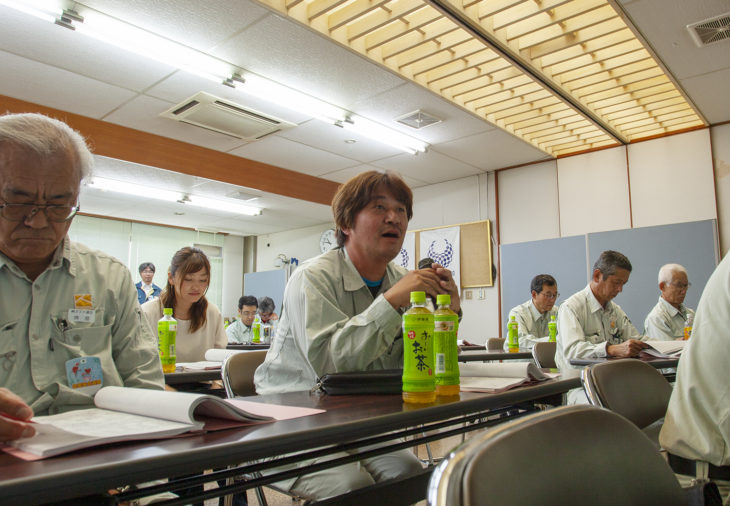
[(666, 321), (533, 316), (63, 303)]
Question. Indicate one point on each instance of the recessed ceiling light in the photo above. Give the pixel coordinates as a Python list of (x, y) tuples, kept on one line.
[(177, 213), (350, 141)]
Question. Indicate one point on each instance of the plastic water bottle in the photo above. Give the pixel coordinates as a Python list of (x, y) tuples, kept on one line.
[(166, 334), (446, 326), (688, 326), (419, 385), (552, 329), (256, 327), (513, 343)]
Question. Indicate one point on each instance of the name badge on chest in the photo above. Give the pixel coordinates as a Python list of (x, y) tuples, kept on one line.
[(82, 315)]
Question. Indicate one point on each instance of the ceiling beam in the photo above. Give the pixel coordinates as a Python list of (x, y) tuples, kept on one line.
[(122, 143)]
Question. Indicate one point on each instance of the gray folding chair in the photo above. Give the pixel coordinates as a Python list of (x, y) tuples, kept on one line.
[(631, 388), (495, 343), (238, 370), (567, 455), (544, 354)]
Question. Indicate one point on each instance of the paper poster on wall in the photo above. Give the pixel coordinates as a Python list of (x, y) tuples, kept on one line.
[(442, 245), (406, 257)]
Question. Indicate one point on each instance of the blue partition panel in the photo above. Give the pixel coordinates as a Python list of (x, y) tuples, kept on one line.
[(692, 244), (266, 283), (563, 258)]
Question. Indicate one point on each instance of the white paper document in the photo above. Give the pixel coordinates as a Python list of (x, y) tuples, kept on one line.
[(498, 377)]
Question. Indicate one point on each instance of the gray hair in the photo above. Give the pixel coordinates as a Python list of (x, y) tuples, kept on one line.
[(266, 305), (666, 272), (611, 260), (46, 136)]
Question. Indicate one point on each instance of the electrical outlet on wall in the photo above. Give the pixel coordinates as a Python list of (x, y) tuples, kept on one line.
[(467, 294)]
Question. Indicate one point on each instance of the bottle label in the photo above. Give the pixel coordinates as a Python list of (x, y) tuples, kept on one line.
[(446, 349), (418, 374), (440, 363)]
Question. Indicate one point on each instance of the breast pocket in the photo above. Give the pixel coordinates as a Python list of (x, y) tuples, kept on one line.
[(8, 356)]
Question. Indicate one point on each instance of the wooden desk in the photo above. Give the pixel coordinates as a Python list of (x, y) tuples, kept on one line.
[(349, 422), (180, 377), (248, 346), (659, 363), (481, 356)]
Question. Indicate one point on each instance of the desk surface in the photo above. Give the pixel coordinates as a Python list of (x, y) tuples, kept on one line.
[(248, 346), (347, 418), (659, 363), (480, 356)]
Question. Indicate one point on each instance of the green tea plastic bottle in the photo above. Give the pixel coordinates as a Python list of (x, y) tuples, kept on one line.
[(166, 335), (513, 343), (446, 327), (552, 329), (419, 382), (256, 327)]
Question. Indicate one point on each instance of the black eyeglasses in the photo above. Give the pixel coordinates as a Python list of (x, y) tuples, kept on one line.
[(22, 212)]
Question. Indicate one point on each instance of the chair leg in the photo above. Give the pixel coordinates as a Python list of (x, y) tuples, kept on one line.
[(261, 497)]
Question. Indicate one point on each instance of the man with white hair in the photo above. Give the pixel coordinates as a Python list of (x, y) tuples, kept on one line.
[(666, 321), (62, 301)]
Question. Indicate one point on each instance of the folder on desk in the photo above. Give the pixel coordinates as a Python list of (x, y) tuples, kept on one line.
[(499, 377)]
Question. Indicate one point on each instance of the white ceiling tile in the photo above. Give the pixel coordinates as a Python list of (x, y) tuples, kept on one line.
[(326, 137), (143, 113), (430, 167), (394, 103), (35, 82), (295, 56), (292, 155), (664, 23), (200, 25), (706, 90), (492, 150), (181, 85), (342, 176)]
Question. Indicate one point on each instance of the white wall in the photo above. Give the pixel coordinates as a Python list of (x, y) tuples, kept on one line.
[(301, 243), (720, 137), (232, 274)]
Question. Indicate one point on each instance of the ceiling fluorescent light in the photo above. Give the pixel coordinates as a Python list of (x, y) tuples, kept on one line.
[(47, 11), (383, 134), (290, 98), (133, 189), (220, 205)]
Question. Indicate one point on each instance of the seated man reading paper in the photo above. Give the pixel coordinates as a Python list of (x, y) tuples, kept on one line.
[(591, 325), (62, 302), (342, 312)]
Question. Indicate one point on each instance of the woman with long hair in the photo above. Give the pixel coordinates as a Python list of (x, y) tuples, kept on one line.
[(199, 323)]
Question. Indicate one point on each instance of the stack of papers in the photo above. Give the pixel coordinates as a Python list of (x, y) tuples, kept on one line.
[(664, 349), (498, 377), (197, 366)]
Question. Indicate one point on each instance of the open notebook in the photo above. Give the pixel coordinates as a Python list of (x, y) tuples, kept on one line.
[(127, 414), (664, 349), (498, 377)]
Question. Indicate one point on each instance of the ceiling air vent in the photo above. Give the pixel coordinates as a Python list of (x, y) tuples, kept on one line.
[(226, 117), (710, 30), (418, 119)]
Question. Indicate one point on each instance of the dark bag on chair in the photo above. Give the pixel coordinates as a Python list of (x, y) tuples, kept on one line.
[(388, 381)]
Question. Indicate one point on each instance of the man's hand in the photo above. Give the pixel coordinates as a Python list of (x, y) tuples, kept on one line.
[(630, 348), (14, 415), (433, 281)]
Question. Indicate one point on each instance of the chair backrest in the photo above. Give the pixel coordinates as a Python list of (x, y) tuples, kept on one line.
[(238, 370), (495, 343), (544, 354), (629, 387), (567, 455)]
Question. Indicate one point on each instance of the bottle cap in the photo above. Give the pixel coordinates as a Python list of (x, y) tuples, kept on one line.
[(443, 299), (167, 311), (418, 297), (512, 317), (552, 317)]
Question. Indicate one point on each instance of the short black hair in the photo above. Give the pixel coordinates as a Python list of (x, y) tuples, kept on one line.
[(541, 279), (611, 260), (146, 265), (266, 305), (247, 300)]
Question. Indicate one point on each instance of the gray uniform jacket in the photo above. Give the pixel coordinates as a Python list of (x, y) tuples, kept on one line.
[(39, 331), (665, 322), (331, 323), (532, 326), (697, 424)]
